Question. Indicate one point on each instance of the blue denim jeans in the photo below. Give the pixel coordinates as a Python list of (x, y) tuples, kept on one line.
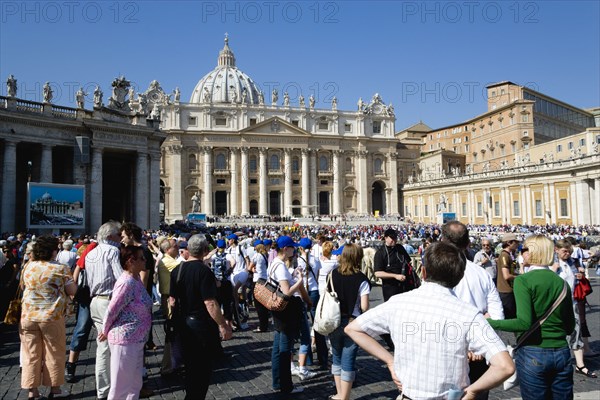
[(544, 373), (281, 357), (344, 353), (304, 332), (81, 332)]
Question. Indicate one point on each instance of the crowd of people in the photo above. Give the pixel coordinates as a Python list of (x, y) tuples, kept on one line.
[(479, 277)]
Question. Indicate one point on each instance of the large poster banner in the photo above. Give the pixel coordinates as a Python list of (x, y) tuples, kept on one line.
[(55, 206)]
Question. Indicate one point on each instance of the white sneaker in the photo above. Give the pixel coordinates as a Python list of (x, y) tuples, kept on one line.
[(297, 389), (296, 372), (307, 375)]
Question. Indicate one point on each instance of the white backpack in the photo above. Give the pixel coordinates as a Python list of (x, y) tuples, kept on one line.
[(327, 315)]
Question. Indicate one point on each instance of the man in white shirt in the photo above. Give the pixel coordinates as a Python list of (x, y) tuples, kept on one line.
[(433, 331), (476, 288), (66, 256)]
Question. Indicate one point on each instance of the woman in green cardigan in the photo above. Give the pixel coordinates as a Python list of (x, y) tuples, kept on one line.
[(543, 360)]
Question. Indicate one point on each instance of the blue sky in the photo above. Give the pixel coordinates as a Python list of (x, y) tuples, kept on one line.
[(432, 60), (58, 193)]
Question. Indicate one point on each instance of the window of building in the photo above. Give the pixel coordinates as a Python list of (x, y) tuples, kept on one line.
[(406, 211), (378, 166), (275, 181), (479, 209), (526, 146), (538, 208), (427, 210), (475, 157), (502, 151), (295, 122), (493, 93), (464, 209), (513, 147), (192, 162), (295, 165), (598, 139), (221, 181), (192, 121), (324, 182), (376, 126), (466, 148), (430, 147), (582, 142), (296, 182), (559, 148), (253, 181), (347, 127), (252, 164), (220, 162), (516, 209), (323, 126), (349, 167), (323, 164), (570, 145), (274, 162), (466, 138), (525, 118), (416, 211), (220, 121), (252, 121), (496, 208), (564, 209)]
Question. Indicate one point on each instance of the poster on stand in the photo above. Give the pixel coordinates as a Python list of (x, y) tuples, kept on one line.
[(55, 206)]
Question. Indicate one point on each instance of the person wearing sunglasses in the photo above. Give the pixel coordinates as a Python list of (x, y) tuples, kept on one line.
[(486, 259)]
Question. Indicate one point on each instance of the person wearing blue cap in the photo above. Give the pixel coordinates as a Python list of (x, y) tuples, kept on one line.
[(259, 264), (309, 271), (287, 322), (221, 267)]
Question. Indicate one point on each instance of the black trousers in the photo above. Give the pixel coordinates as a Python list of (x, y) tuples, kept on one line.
[(200, 343), (476, 370), (509, 304), (263, 315), (389, 291)]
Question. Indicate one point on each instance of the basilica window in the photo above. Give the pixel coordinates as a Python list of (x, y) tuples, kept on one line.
[(192, 121), (564, 209), (516, 209), (220, 121), (376, 126), (347, 127), (274, 164), (220, 162), (295, 122), (479, 209), (252, 121), (349, 166), (323, 163), (252, 164), (323, 126), (378, 166), (295, 165), (192, 162)]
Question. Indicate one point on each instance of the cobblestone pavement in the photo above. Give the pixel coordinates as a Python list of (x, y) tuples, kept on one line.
[(247, 375)]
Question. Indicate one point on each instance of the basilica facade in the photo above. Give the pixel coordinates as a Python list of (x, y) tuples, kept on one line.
[(238, 151)]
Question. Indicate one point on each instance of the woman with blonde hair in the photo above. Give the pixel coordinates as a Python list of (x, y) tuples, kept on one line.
[(352, 288), (46, 285), (543, 359)]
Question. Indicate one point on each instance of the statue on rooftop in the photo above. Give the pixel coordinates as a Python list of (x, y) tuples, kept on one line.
[(11, 86), (80, 98), (47, 93), (98, 97)]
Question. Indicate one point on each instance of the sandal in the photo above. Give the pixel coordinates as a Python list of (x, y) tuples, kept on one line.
[(585, 371)]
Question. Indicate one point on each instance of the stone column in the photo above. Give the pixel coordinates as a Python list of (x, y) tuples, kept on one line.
[(583, 202), (553, 209), (596, 200), (154, 203), (527, 218), (573, 203), (233, 195), (363, 190), (46, 164), (393, 174), (262, 181), (244, 178), (142, 194), (287, 176), (305, 183), (336, 194), (314, 188), (96, 189), (207, 204), (546, 203), (9, 187), (175, 209)]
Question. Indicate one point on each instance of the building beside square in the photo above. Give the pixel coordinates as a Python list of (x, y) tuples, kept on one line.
[(234, 150)]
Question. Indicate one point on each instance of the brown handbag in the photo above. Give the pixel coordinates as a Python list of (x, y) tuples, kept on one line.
[(13, 314), (270, 295)]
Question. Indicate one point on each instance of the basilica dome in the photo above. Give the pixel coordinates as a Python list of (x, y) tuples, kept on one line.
[(226, 83)]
